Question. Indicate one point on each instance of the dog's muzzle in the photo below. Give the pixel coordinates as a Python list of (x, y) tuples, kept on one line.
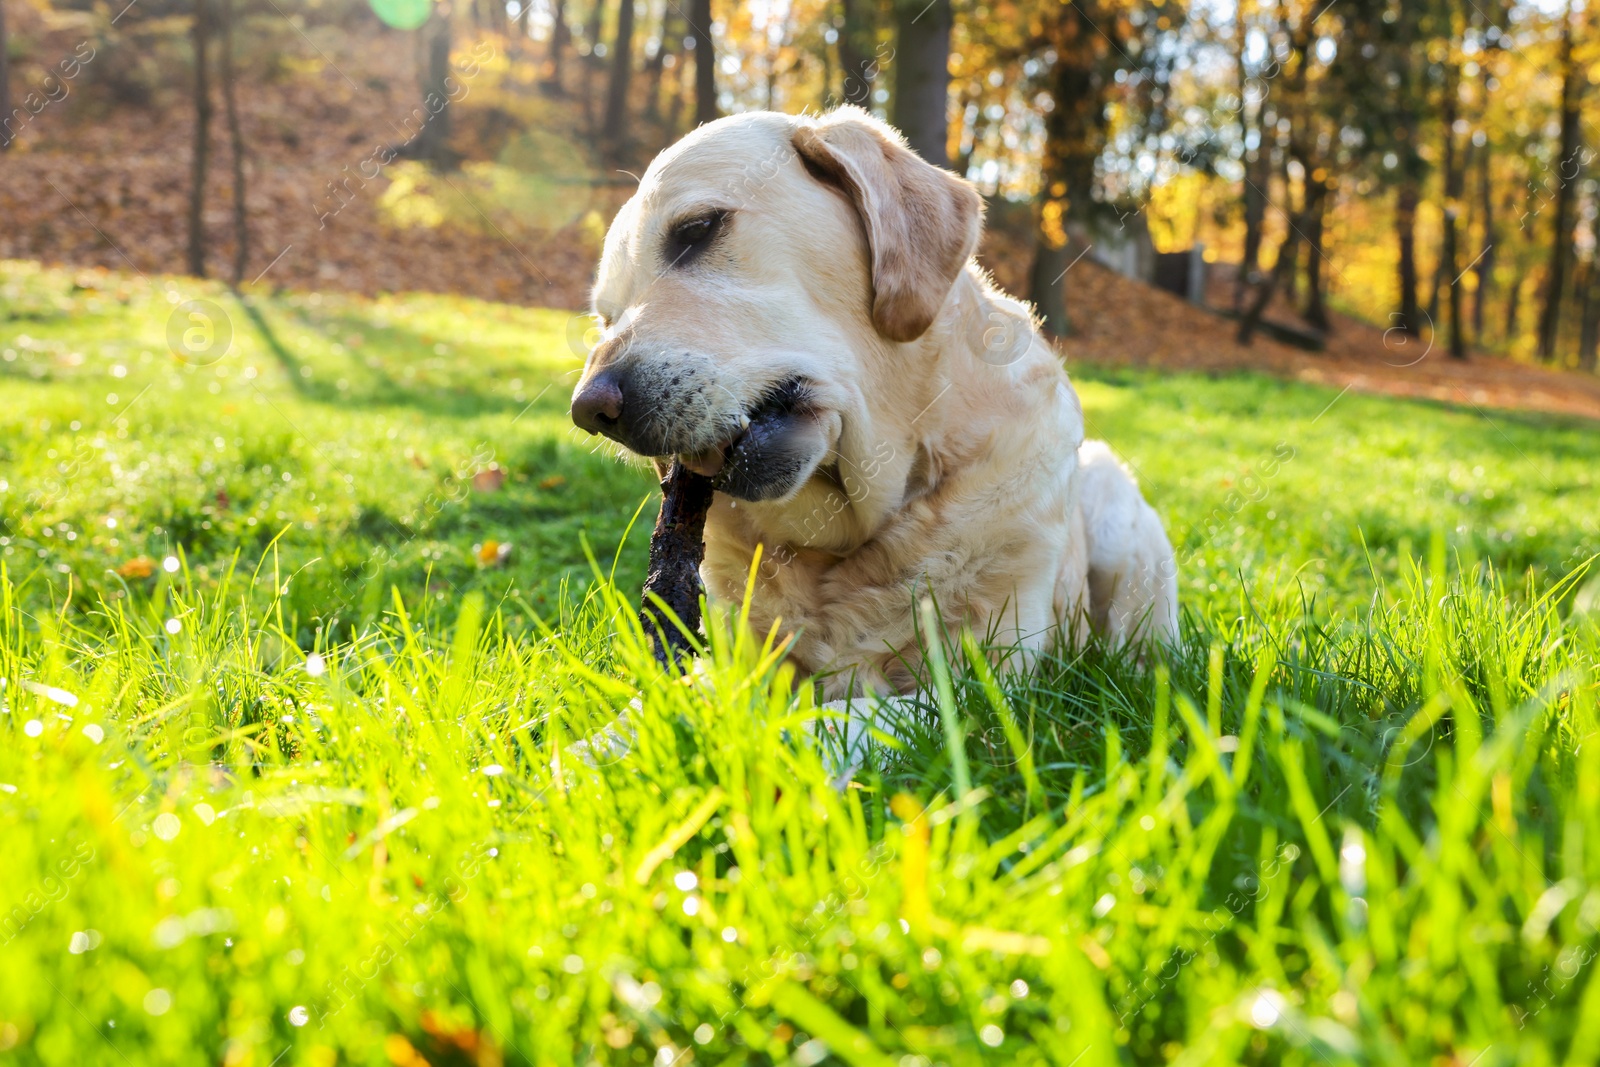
[(760, 454)]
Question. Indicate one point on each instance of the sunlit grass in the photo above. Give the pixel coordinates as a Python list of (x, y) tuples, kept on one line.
[(1295, 844), (281, 803)]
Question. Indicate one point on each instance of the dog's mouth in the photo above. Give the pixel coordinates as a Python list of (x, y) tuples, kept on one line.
[(768, 451)]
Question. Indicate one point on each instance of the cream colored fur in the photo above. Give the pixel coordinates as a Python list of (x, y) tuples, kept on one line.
[(949, 453)]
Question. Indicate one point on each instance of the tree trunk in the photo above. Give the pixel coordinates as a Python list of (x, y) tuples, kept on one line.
[(1408, 192), (615, 130), (922, 77), (1484, 272), (241, 228), (560, 41), (1433, 294), (825, 58), (1255, 197), (200, 34), (5, 81), (1073, 133), (980, 129), (1513, 308), (1257, 175), (1407, 198), (773, 53), (1289, 281), (674, 91), (656, 66), (1454, 181), (1045, 281), (1286, 268), (1589, 334), (1281, 265), (1566, 176), (1315, 311), (592, 30), (1458, 341), (431, 142), (705, 62), (858, 47)]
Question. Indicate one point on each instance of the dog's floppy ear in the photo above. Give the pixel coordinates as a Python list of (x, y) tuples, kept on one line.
[(922, 222)]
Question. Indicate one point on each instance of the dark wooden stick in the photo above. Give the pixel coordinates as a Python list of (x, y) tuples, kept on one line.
[(677, 546)]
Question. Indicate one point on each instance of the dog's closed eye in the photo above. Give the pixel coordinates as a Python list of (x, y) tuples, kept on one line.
[(688, 238)]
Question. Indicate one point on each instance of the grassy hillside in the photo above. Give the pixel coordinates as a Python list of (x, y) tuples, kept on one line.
[(282, 772)]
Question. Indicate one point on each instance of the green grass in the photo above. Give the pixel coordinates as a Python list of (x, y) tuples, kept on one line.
[(296, 798)]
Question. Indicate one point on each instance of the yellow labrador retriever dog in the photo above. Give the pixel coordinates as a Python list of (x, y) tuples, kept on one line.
[(789, 306)]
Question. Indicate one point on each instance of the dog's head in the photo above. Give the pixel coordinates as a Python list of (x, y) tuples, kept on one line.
[(754, 291)]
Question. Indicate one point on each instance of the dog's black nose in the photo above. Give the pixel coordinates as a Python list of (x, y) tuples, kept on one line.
[(597, 406)]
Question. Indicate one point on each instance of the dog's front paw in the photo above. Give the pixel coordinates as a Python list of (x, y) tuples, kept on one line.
[(601, 749), (848, 730)]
